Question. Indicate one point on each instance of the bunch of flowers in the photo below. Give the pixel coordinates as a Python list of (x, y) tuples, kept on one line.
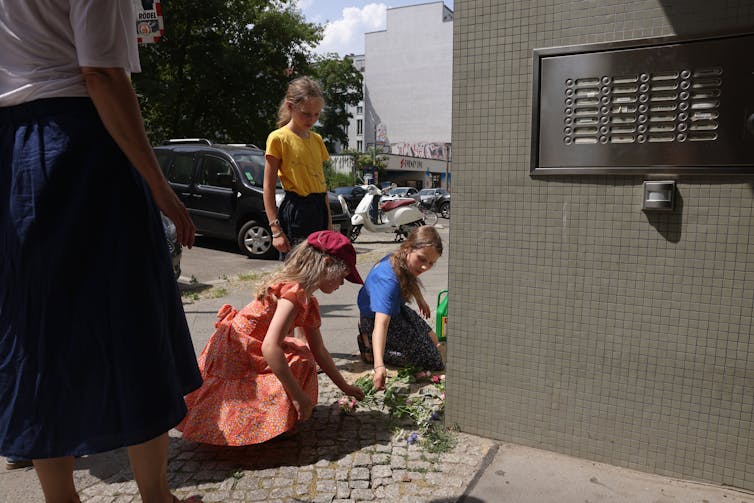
[(347, 404), (422, 411)]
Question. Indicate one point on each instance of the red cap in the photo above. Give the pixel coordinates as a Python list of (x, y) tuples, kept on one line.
[(336, 244)]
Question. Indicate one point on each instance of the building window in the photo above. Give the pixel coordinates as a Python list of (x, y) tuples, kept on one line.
[(359, 145), (360, 110), (359, 126)]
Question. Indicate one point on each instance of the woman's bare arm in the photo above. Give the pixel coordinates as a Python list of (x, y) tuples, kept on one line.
[(113, 95)]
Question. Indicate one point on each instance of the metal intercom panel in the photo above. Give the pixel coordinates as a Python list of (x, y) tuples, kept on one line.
[(642, 107)]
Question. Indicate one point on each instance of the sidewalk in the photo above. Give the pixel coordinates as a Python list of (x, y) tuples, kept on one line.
[(351, 458), (334, 457)]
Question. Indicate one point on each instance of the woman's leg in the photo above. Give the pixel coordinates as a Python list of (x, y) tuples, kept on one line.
[(56, 478), (149, 463)]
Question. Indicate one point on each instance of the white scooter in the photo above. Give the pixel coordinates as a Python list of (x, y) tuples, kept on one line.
[(398, 216)]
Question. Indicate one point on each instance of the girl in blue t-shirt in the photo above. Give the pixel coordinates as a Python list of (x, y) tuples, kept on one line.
[(389, 331)]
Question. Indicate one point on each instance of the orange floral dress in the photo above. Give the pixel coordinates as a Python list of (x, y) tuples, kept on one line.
[(242, 402)]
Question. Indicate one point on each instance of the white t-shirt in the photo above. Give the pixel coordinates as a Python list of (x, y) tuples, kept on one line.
[(44, 44)]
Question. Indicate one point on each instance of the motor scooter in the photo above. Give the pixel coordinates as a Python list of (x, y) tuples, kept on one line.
[(399, 216)]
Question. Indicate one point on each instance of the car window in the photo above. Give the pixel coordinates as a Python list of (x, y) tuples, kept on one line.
[(215, 172), (426, 192), (252, 168), (181, 169), (163, 158)]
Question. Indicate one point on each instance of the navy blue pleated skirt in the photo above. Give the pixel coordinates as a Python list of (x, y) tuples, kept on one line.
[(95, 352)]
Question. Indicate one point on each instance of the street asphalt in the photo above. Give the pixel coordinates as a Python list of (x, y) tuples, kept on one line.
[(362, 456)]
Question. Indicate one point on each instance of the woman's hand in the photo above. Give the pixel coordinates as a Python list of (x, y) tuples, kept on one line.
[(423, 308), (353, 391), (174, 209), (303, 407), (379, 378)]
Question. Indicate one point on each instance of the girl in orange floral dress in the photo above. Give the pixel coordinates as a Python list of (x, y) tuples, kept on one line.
[(259, 380)]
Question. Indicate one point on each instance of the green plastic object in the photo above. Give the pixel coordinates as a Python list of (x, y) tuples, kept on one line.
[(441, 318)]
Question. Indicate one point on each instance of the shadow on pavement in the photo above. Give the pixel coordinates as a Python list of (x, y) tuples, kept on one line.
[(335, 310), (326, 438)]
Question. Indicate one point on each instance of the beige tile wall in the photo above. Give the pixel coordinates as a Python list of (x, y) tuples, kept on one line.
[(578, 323)]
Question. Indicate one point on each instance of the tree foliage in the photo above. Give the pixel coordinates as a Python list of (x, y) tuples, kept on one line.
[(342, 86), (335, 179), (222, 67)]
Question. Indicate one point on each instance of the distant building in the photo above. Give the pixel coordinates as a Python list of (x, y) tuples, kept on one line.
[(406, 113)]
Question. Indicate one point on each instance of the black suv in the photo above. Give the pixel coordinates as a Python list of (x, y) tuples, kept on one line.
[(352, 195), (437, 200), (221, 186)]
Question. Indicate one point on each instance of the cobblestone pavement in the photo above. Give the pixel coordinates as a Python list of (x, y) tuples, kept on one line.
[(334, 457)]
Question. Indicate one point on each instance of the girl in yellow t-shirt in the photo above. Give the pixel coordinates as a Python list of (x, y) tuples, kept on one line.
[(295, 155)]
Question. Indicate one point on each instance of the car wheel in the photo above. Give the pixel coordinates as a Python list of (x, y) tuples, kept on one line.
[(355, 231), (445, 210), (255, 240)]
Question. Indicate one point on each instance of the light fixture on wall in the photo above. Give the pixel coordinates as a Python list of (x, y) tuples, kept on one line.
[(659, 196)]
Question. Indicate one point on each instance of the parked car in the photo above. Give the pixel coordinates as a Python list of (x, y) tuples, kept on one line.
[(340, 214), (397, 192), (437, 200), (352, 195), (221, 186)]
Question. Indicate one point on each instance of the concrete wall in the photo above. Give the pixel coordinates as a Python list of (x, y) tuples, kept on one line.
[(408, 77), (577, 323)]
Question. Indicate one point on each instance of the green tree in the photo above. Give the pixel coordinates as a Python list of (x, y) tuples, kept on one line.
[(342, 87), (222, 67), (333, 179)]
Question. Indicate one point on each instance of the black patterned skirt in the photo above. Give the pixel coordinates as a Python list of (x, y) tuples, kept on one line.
[(408, 342)]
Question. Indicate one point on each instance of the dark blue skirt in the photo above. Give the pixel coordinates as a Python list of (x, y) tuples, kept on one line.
[(95, 352)]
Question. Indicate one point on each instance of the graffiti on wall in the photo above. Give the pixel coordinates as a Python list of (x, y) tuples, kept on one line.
[(438, 151)]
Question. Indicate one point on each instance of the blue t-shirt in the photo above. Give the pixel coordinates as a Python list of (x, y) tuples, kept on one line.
[(381, 292)]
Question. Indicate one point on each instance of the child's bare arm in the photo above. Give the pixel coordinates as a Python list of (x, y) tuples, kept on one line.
[(280, 240), (272, 350), (422, 305), (379, 339)]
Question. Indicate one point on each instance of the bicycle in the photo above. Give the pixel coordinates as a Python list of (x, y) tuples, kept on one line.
[(430, 217)]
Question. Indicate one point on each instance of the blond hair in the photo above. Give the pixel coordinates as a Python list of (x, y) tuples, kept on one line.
[(299, 91), (306, 266), (421, 237)]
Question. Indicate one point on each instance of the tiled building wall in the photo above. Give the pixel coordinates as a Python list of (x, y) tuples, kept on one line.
[(578, 323)]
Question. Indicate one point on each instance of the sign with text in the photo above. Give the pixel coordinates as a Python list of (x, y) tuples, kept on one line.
[(149, 27), (405, 163)]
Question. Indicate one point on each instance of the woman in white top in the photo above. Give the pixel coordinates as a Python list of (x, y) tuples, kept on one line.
[(95, 352)]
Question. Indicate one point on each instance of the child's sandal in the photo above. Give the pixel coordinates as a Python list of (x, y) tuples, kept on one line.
[(365, 349)]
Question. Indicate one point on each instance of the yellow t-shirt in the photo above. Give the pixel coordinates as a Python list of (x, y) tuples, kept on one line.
[(301, 160)]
